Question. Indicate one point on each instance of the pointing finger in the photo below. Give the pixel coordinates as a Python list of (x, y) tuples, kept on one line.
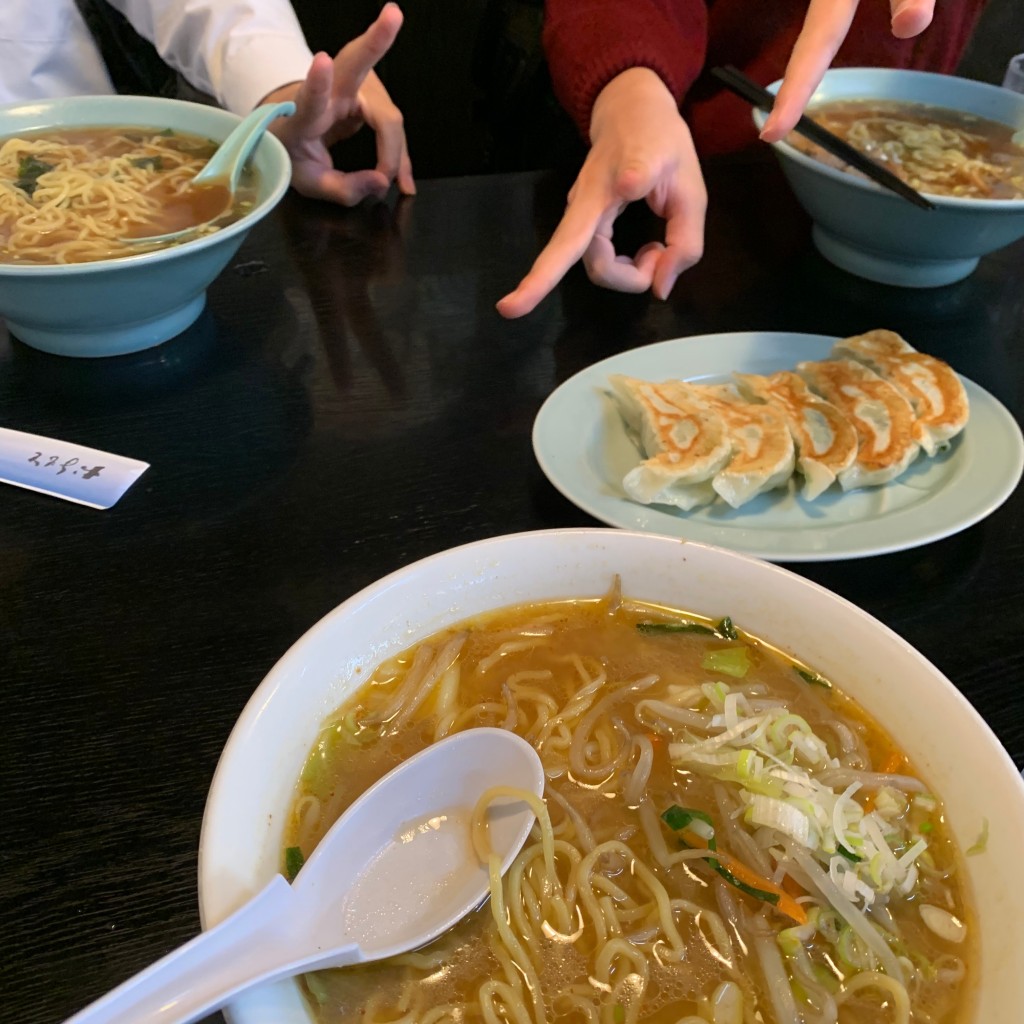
[(357, 59), (911, 17), (823, 32), (569, 242)]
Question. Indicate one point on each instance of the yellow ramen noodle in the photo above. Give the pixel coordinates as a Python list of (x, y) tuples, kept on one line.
[(933, 149), (727, 838), (75, 196)]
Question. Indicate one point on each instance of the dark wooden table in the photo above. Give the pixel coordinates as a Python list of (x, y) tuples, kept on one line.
[(348, 403)]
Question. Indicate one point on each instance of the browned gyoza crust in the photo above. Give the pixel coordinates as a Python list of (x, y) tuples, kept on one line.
[(932, 387), (825, 439), (884, 420)]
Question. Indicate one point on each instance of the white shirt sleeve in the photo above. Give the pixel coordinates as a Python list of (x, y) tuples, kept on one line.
[(235, 50), (46, 51)]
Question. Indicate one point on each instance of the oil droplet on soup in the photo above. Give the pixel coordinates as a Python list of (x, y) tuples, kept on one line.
[(707, 798)]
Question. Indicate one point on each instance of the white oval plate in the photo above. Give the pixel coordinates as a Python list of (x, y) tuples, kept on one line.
[(583, 448)]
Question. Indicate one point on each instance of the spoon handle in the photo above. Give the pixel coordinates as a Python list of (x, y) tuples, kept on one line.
[(230, 157), (255, 945)]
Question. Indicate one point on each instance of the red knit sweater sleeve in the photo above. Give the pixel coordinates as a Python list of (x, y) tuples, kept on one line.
[(589, 42)]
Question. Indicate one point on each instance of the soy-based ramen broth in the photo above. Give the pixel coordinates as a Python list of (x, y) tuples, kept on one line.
[(662, 735), (76, 196), (934, 149)]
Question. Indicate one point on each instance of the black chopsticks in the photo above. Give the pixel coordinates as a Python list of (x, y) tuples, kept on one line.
[(761, 98)]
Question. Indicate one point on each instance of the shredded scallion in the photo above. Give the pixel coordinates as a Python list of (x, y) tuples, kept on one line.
[(293, 861), (730, 661), (652, 628), (812, 677)]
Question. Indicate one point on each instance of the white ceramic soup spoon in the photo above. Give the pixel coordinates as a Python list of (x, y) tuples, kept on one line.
[(395, 871), (226, 165)]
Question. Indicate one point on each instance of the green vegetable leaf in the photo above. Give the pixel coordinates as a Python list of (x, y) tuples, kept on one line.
[(651, 628), (619, 1014), (812, 677), (729, 661), (293, 861), (29, 170), (679, 818), (167, 133), (32, 167), (727, 630), (848, 854)]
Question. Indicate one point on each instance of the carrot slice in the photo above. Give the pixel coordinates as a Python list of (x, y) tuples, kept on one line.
[(782, 902)]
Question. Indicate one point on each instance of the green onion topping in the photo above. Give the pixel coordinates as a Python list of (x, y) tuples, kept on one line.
[(293, 861), (727, 629), (674, 627), (729, 661), (724, 629), (678, 818), (812, 677)]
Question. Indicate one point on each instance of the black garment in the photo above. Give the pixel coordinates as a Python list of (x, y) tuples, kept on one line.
[(134, 66), (132, 62), (525, 124)]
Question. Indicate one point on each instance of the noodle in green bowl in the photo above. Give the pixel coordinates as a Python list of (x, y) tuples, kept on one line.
[(957, 141), (79, 178), (690, 735)]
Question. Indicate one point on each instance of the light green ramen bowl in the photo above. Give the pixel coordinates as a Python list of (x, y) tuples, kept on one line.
[(877, 235), (112, 307)]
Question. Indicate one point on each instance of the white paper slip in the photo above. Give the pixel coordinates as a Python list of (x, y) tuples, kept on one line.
[(65, 470)]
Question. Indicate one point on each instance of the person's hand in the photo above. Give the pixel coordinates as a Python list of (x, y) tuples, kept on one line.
[(823, 32), (640, 149), (337, 98)]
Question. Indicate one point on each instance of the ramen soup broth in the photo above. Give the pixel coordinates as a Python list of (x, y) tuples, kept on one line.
[(632, 920), (934, 149), (75, 196)]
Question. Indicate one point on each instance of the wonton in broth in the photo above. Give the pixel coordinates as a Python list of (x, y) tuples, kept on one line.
[(734, 841), (934, 150)]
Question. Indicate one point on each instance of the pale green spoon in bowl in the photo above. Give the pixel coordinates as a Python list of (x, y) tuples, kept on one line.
[(225, 167)]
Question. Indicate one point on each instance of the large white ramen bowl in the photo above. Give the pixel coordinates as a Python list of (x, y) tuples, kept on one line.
[(875, 234), (112, 307), (957, 754)]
